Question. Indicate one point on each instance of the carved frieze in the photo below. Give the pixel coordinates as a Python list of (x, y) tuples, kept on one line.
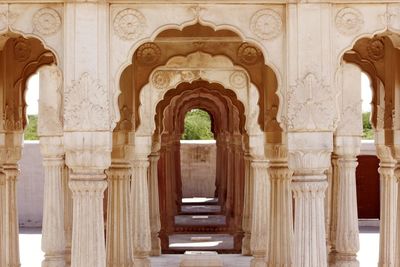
[(46, 21), (349, 21), (266, 24), (311, 105), (129, 24), (148, 54), (249, 54), (86, 105)]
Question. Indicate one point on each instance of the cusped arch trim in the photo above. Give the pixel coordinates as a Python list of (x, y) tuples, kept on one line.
[(180, 26), (167, 77)]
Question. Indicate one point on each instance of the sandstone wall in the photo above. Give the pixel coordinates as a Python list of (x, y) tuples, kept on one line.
[(198, 168)]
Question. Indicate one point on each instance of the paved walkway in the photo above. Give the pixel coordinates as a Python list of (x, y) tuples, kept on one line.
[(31, 254)]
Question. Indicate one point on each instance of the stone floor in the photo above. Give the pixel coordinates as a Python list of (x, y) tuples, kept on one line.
[(200, 241), (31, 255)]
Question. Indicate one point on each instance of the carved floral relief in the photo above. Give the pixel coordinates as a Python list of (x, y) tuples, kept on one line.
[(129, 24), (266, 24), (86, 105)]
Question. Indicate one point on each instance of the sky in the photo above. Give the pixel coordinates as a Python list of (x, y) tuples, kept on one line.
[(32, 95)]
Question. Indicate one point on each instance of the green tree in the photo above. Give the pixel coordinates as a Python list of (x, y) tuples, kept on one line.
[(368, 132), (197, 126), (31, 130)]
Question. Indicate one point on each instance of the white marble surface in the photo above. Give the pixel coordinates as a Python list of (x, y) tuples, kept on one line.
[(31, 255)]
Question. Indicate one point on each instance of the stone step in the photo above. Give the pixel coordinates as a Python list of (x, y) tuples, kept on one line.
[(201, 259)]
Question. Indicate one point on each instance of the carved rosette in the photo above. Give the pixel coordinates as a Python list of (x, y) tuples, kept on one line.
[(129, 24), (349, 21), (266, 24), (311, 105), (249, 54), (86, 105), (376, 49), (148, 54), (46, 21), (161, 79), (238, 80)]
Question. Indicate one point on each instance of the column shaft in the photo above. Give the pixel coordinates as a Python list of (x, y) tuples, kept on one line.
[(281, 233), (347, 235), (118, 248), (248, 207), (261, 213), (388, 194), (88, 244), (154, 205), (68, 211), (53, 235), (11, 216), (140, 214), (309, 224)]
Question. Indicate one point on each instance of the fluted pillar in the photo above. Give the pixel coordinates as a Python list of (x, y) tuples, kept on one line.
[(347, 235), (11, 227), (261, 212), (68, 213), (281, 233), (141, 233), (88, 244), (309, 160), (53, 235), (332, 230), (388, 207), (154, 205), (248, 206), (118, 247)]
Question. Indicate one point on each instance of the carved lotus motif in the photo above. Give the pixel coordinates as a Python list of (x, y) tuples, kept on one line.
[(148, 54), (349, 21), (46, 21), (248, 54), (86, 105), (161, 79), (376, 49), (129, 24), (266, 24)]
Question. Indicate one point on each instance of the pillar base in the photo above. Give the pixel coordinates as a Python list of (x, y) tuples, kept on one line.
[(155, 246), (346, 261), (141, 262), (258, 261), (54, 261), (246, 251)]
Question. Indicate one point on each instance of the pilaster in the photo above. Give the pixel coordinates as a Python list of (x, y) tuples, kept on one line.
[(347, 234), (261, 212), (309, 158), (281, 229), (119, 251), (53, 234), (155, 223), (388, 216), (248, 206)]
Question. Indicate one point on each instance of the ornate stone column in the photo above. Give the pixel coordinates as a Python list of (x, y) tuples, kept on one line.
[(281, 224), (53, 234), (333, 210), (261, 212), (248, 206), (118, 245), (309, 158), (140, 213), (388, 216), (11, 245), (68, 213), (88, 244), (347, 235), (154, 207)]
